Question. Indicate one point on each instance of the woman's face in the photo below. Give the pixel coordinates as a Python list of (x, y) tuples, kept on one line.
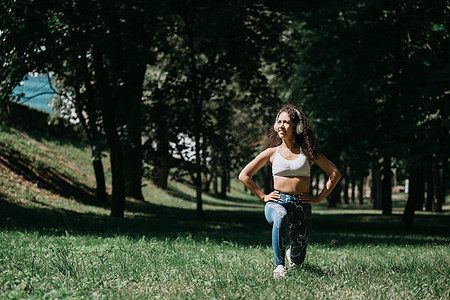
[(285, 127)]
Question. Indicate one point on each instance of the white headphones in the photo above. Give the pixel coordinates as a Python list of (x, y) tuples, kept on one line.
[(298, 129)]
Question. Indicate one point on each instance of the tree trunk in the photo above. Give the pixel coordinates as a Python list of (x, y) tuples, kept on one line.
[(430, 189), (133, 163), (134, 186), (228, 180), (361, 191), (386, 183), (93, 136), (115, 148), (197, 109), (99, 177), (90, 127), (207, 182), (345, 184), (335, 196), (353, 182), (214, 180), (368, 186), (161, 173), (444, 181), (161, 164), (437, 198), (198, 178), (415, 194), (377, 194), (118, 180), (223, 184), (133, 149)]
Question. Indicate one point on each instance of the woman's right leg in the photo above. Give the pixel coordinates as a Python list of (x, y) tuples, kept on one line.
[(299, 227), (277, 216)]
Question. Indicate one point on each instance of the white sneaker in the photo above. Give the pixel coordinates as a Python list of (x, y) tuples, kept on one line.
[(291, 263), (280, 271)]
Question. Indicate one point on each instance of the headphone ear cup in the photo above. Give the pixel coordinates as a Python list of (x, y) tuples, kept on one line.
[(300, 127)]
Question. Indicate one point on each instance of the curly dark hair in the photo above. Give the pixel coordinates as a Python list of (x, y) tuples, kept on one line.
[(305, 139)]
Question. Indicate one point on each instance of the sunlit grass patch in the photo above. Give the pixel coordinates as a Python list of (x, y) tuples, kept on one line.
[(56, 266)]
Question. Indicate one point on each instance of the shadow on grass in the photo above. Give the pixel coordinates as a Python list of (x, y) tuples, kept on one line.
[(46, 178), (375, 229), (243, 228), (314, 270), (229, 201), (68, 136), (153, 221), (78, 141)]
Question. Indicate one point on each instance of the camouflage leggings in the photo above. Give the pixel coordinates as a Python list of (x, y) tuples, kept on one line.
[(289, 216)]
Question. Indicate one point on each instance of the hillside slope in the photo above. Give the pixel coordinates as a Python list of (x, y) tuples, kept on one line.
[(43, 172)]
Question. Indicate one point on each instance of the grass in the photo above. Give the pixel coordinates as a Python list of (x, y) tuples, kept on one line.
[(55, 245), (37, 265)]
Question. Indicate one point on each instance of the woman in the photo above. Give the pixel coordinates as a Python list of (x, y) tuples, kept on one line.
[(290, 150)]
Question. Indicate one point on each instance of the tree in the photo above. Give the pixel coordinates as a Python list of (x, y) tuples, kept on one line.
[(111, 34), (86, 108), (212, 61), (365, 75)]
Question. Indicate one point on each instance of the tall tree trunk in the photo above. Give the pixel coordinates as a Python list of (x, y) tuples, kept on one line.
[(437, 198), (223, 183), (361, 191), (445, 180), (228, 180), (345, 184), (335, 196), (117, 166), (416, 179), (198, 178), (161, 171), (430, 188), (93, 133), (214, 180), (133, 149), (377, 188), (353, 182), (386, 183), (112, 136), (161, 163), (197, 107), (99, 176), (368, 186), (89, 127), (207, 182)]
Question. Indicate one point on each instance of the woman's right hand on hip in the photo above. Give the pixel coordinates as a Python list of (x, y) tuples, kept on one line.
[(274, 196)]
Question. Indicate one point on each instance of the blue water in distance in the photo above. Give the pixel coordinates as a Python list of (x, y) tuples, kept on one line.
[(34, 91)]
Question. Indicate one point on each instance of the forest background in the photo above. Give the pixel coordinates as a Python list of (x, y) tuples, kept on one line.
[(187, 90)]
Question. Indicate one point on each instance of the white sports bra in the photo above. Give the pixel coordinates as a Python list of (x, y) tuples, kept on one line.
[(282, 167)]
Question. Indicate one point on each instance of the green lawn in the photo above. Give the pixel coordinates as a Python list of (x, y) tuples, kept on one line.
[(53, 245)]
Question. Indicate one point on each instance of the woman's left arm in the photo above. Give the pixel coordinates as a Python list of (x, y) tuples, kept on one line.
[(333, 178)]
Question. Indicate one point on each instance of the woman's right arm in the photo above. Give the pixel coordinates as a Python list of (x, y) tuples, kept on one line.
[(246, 175)]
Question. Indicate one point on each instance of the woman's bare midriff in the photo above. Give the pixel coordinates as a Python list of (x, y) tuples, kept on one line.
[(292, 185)]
